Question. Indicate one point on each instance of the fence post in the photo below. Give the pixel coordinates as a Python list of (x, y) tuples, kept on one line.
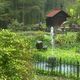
[(77, 69), (60, 65)]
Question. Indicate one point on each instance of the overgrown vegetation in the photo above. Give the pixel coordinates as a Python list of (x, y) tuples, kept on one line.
[(15, 57), (16, 49), (66, 47)]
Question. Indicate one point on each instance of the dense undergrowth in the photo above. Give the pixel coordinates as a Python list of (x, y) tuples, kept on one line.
[(15, 57), (67, 46)]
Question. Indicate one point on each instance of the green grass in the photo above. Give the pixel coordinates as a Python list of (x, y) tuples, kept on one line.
[(44, 78), (61, 53), (39, 77), (67, 49)]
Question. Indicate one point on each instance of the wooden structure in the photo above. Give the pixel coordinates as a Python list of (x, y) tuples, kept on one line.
[(56, 17)]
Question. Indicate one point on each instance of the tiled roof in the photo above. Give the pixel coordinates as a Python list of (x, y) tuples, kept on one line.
[(53, 12)]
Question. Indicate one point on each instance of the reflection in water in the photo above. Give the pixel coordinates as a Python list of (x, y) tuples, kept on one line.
[(64, 68)]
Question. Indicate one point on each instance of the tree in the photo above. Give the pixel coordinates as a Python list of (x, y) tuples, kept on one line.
[(30, 11), (73, 10), (4, 14)]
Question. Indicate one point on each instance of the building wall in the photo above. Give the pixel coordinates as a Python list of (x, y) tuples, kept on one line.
[(56, 20)]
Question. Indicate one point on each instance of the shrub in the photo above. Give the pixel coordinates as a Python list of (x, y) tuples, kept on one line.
[(66, 40), (16, 26), (38, 57), (43, 36), (37, 36), (15, 57)]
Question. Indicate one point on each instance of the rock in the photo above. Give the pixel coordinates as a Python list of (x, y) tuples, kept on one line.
[(39, 45)]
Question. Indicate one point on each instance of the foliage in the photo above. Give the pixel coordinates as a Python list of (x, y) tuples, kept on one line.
[(73, 10), (37, 35), (51, 78), (15, 26), (45, 77), (30, 11), (38, 57), (43, 36), (15, 57), (50, 4), (4, 14), (67, 47), (78, 36), (66, 40), (39, 27)]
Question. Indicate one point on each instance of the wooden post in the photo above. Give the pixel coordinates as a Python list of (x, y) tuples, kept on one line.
[(64, 66), (77, 69), (60, 66), (67, 68)]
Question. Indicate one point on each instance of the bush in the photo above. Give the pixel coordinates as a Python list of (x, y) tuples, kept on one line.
[(15, 57), (38, 57), (37, 36), (43, 36), (66, 40), (16, 26)]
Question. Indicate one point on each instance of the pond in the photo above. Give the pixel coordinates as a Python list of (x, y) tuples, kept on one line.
[(64, 68)]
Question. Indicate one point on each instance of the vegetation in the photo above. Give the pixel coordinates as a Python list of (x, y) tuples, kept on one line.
[(66, 47), (14, 62), (51, 78), (25, 24), (33, 12)]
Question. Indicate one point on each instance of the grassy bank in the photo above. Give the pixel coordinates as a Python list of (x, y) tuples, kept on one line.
[(61, 53), (51, 78)]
